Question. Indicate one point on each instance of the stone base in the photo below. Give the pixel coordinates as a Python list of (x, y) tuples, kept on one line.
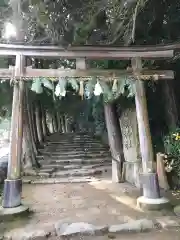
[(153, 204), (12, 193), (10, 212)]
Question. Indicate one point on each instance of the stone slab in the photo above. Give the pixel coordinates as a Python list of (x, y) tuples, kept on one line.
[(168, 222), (69, 230), (79, 228), (136, 226)]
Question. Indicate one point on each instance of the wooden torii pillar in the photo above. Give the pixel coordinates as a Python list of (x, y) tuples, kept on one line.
[(151, 198), (13, 184)]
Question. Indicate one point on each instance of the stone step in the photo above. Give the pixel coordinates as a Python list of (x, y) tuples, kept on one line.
[(67, 140), (52, 167), (73, 142), (73, 151), (77, 156), (65, 136), (81, 172), (75, 146), (75, 172), (72, 156), (81, 179), (48, 170), (55, 163), (76, 153)]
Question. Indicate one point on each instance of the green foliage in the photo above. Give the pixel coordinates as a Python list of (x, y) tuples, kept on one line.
[(172, 148)]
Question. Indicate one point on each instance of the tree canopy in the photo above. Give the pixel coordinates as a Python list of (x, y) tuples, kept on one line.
[(81, 22), (110, 22)]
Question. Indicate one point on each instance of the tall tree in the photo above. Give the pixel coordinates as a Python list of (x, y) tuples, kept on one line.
[(115, 141)]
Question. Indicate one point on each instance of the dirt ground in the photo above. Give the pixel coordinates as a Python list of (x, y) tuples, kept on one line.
[(99, 203)]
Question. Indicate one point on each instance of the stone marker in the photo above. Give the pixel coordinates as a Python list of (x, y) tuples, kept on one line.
[(129, 128)]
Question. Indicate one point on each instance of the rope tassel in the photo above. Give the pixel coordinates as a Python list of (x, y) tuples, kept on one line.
[(114, 87)]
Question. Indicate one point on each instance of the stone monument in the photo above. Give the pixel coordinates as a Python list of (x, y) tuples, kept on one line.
[(129, 128)]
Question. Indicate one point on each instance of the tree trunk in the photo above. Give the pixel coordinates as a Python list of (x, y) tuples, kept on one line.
[(55, 122), (170, 105), (30, 121), (38, 115), (52, 125), (35, 141), (66, 123), (115, 141), (29, 154), (44, 121), (29, 137), (63, 123), (46, 124), (59, 122), (34, 127), (49, 123)]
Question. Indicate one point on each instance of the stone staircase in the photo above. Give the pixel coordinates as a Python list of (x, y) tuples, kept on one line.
[(73, 157)]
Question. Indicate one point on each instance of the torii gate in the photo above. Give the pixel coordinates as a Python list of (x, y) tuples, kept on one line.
[(12, 186)]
